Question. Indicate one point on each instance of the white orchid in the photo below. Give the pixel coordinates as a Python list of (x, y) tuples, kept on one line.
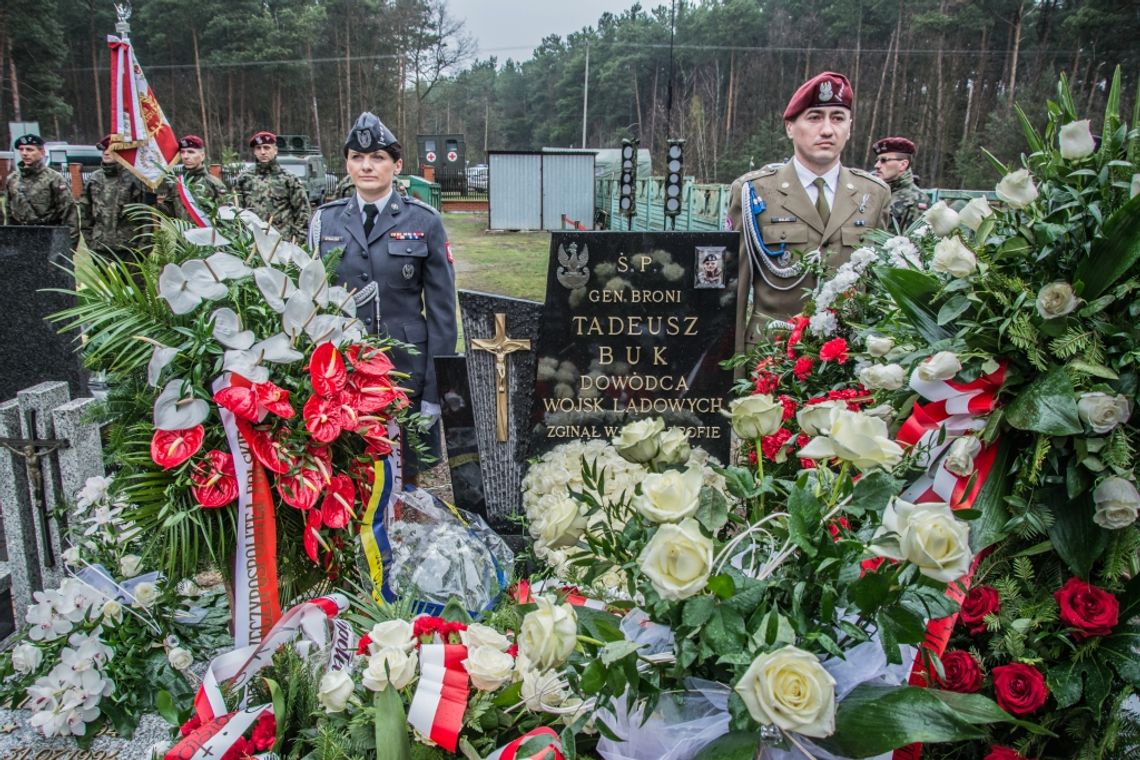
[(159, 359), (174, 411), (277, 350), (227, 329), (275, 286)]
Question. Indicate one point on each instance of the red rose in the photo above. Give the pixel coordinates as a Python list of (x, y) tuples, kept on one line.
[(1091, 610), (1002, 753), (981, 601), (962, 673), (802, 368), (1020, 689), (834, 350)]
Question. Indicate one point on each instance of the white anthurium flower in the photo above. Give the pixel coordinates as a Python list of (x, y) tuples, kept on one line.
[(228, 213), (275, 287), (343, 300), (207, 237), (159, 359), (174, 288), (325, 328), (351, 332), (227, 329), (268, 242), (227, 266), (173, 411), (314, 282), (289, 251), (203, 280), (278, 349), (247, 364), (299, 312)]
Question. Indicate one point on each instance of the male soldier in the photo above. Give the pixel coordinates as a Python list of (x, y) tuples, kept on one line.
[(398, 262), (36, 193), (892, 165), (810, 207), (107, 224), (196, 175), (271, 192)]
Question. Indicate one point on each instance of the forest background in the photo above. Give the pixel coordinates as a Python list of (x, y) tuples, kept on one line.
[(943, 72)]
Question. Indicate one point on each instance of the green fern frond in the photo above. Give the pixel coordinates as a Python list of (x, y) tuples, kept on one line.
[(1118, 453), (1071, 343), (1023, 570)]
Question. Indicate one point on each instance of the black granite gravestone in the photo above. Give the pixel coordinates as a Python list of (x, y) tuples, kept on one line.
[(33, 350), (636, 325), (458, 420)]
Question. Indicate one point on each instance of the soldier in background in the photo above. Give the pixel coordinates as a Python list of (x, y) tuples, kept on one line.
[(398, 261), (812, 207), (36, 193), (892, 165), (204, 185), (271, 192), (109, 226)]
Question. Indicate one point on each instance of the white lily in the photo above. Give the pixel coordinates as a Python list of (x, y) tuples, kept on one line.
[(227, 329), (343, 300), (299, 312), (159, 359), (314, 282), (173, 411), (275, 287), (207, 237)]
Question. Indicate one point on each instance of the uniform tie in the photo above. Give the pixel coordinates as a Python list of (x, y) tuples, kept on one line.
[(821, 200), (370, 213)]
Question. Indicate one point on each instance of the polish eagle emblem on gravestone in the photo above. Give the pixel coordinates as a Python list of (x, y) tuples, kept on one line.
[(572, 270)]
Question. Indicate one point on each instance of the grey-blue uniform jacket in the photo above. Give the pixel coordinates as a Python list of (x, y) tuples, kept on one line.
[(408, 260)]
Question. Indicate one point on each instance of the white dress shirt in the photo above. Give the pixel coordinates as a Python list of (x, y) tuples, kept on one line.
[(379, 203), (807, 177)]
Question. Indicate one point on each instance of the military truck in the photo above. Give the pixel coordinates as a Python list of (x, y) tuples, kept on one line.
[(446, 154), (297, 155)]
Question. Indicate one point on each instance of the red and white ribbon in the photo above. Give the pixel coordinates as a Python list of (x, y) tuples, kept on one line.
[(441, 695), (552, 751), (525, 592), (193, 210)]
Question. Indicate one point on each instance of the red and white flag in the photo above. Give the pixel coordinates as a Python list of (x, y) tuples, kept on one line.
[(141, 137)]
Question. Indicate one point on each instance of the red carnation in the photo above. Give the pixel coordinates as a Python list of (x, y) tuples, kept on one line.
[(241, 748), (264, 732), (1002, 753), (961, 672), (802, 368), (834, 350), (799, 322), (425, 627), (1020, 689), (979, 602), (1091, 610), (170, 448), (835, 526), (772, 444), (766, 382), (789, 406), (215, 481), (363, 644), (327, 371)]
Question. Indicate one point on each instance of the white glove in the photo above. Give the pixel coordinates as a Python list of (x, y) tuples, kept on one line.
[(429, 413)]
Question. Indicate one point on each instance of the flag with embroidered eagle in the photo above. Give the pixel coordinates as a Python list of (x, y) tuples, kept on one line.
[(141, 136)]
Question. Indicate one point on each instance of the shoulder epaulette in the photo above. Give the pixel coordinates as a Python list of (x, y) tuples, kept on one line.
[(417, 202), (335, 202), (868, 175), (764, 171)]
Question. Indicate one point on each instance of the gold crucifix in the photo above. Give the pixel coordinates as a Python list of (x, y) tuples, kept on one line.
[(500, 346)]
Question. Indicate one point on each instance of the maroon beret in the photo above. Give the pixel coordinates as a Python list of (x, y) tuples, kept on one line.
[(821, 91), (104, 143), (262, 138), (893, 145), (191, 141)]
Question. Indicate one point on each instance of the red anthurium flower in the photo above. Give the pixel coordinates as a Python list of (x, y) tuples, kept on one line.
[(378, 450), (326, 368), (368, 360), (349, 417), (302, 489), (275, 399), (312, 535), (322, 418), (215, 482), (373, 394), (362, 472), (374, 430), (337, 506), (170, 448), (267, 448), (320, 458), (239, 399)]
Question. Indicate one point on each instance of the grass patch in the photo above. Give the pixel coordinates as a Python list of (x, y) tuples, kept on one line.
[(504, 263)]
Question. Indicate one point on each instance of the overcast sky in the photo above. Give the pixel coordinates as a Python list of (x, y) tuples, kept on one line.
[(514, 28)]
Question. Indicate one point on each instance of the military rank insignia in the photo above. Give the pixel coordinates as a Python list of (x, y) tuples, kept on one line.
[(407, 235)]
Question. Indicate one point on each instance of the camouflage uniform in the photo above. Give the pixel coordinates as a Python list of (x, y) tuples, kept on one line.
[(907, 201), (205, 185), (40, 195), (105, 219), (274, 194)]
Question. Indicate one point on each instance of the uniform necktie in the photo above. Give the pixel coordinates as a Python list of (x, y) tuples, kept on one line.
[(370, 213), (821, 199)]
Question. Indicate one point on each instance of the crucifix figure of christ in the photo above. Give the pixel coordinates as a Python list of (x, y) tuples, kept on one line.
[(500, 345)]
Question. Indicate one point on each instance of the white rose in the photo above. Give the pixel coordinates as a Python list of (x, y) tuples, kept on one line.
[(559, 523), (975, 212), (145, 594), (1056, 300), (26, 658), (179, 658), (670, 496), (927, 535), (541, 690), (488, 667), (941, 218), (816, 417), (879, 346), (953, 257), (789, 688), (1103, 412), (889, 377), (1076, 140), (390, 665), (1117, 503), (478, 635), (960, 456), (129, 565), (638, 441), (755, 416), (677, 560), (1017, 189), (549, 633), (944, 365), (854, 437), (333, 691), (673, 447), (112, 609), (396, 634)]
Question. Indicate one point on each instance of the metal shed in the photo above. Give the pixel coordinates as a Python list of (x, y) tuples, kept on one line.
[(536, 190)]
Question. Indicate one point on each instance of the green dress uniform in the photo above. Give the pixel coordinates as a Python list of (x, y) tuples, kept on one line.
[(39, 195), (276, 196), (784, 226), (103, 211), (908, 201)]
